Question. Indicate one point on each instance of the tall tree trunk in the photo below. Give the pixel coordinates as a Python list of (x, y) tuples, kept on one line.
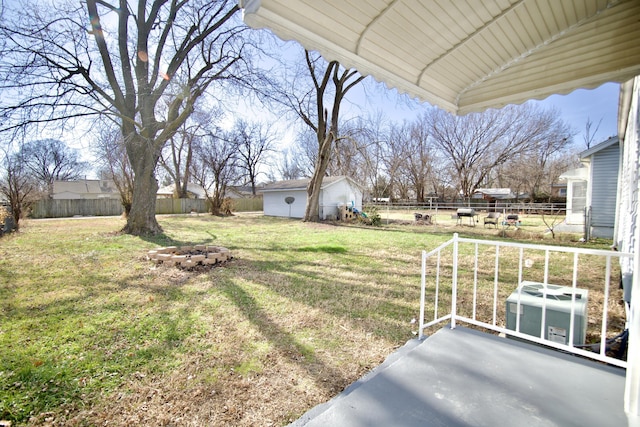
[(142, 217), (312, 210), (143, 156)]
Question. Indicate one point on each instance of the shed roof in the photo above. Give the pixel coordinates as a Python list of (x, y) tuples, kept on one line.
[(301, 184), (466, 55)]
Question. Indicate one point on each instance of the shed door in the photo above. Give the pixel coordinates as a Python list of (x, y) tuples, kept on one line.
[(578, 201)]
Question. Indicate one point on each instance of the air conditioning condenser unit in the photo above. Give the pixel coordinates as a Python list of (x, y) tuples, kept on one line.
[(557, 301)]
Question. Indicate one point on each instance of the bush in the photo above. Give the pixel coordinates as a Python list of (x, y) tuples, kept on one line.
[(373, 217), (4, 214)]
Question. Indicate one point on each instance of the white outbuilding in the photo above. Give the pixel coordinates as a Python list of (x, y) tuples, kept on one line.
[(289, 198)]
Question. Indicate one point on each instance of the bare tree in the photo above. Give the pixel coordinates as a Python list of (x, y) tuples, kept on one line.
[(394, 158), (111, 152), (180, 152), (18, 186), (373, 132), (352, 151), (144, 64), (551, 219), (51, 160), (478, 143), (589, 135), (535, 167), (288, 167), (420, 155), (306, 149), (177, 155), (254, 142), (215, 167)]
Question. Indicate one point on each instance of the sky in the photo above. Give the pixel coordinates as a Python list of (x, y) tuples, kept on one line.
[(599, 105)]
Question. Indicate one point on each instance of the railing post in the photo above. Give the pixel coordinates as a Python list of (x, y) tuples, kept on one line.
[(454, 282), (423, 285)]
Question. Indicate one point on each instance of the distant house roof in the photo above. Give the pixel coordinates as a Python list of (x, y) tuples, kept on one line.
[(85, 188), (239, 191), (496, 193), (598, 147), (194, 189), (301, 184)]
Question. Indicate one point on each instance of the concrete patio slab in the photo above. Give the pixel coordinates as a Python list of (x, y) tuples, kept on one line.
[(463, 377)]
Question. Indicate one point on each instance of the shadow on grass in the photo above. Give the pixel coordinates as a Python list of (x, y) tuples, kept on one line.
[(283, 340), (384, 305), (162, 240), (329, 249)]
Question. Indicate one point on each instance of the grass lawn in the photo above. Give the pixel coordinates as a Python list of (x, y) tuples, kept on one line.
[(94, 334)]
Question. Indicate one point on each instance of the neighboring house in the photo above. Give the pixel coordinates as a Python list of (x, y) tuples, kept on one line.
[(194, 190), (85, 189), (559, 190), (289, 198), (493, 195), (592, 189), (241, 191)]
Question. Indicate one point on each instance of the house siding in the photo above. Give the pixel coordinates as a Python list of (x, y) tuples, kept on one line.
[(627, 237), (628, 240), (604, 181)]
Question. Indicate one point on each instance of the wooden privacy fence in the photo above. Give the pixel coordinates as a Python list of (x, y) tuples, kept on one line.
[(178, 206), (252, 204), (61, 208)]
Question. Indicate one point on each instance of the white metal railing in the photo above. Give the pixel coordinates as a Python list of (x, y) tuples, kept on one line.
[(495, 272), (478, 204)]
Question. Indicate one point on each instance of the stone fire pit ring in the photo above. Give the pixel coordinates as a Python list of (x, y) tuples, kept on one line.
[(189, 256)]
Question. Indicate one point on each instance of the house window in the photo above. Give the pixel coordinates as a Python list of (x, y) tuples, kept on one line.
[(562, 192)]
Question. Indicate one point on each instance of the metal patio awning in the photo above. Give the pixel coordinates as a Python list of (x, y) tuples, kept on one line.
[(466, 55)]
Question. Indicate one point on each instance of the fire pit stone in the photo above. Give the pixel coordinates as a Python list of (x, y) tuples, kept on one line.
[(189, 256)]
